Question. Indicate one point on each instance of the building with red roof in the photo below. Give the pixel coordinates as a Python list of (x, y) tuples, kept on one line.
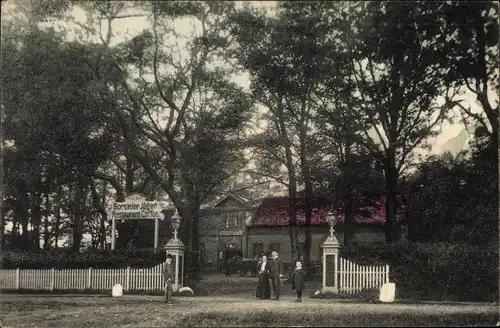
[(263, 225)]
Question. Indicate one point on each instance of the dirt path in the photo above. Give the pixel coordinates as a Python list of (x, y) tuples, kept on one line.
[(80, 311)]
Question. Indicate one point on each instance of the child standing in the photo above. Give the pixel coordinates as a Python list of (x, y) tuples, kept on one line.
[(298, 280)]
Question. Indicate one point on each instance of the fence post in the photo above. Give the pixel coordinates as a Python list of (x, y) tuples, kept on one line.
[(17, 278), (89, 277), (52, 278), (127, 279), (387, 273)]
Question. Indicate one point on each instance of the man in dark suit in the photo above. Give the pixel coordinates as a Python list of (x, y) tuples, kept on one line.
[(276, 270), (169, 276)]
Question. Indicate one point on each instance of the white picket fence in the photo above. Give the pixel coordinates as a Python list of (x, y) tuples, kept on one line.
[(355, 278), (148, 279)]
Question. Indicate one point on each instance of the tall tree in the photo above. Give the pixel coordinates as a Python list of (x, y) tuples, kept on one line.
[(396, 50), (64, 136), (472, 58), (256, 34), (189, 111)]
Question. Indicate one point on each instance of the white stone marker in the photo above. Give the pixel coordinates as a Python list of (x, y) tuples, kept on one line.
[(388, 292), (117, 291), (186, 289)]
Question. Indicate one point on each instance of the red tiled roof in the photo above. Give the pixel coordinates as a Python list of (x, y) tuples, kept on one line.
[(273, 212)]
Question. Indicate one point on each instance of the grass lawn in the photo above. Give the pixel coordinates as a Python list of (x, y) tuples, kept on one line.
[(233, 305)]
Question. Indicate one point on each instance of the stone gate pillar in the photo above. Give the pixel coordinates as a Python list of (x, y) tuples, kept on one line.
[(176, 249), (331, 264)]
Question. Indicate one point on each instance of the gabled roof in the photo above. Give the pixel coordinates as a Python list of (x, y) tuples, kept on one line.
[(273, 212), (240, 200)]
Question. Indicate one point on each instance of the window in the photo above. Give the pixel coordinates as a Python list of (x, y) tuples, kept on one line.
[(257, 249), (231, 221), (227, 221), (274, 247), (241, 219)]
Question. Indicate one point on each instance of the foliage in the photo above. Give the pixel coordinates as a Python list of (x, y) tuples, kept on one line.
[(137, 258), (440, 271), (456, 199), (353, 90), (59, 131), (398, 83), (202, 111), (472, 59), (445, 271)]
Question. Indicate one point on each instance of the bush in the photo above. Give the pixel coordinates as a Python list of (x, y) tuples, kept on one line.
[(138, 258), (436, 271), (445, 272)]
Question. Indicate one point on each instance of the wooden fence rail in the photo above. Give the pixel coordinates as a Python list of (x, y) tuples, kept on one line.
[(352, 278), (147, 279), (355, 278)]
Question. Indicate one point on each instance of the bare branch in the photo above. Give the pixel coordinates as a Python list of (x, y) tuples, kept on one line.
[(264, 175)]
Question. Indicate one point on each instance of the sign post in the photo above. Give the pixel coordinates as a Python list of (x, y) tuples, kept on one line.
[(156, 234), (136, 207)]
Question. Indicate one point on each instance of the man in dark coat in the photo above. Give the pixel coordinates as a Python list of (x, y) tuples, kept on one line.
[(276, 272), (169, 276), (263, 290)]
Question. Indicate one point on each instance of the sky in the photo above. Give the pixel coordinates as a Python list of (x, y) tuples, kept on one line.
[(124, 29), (452, 137)]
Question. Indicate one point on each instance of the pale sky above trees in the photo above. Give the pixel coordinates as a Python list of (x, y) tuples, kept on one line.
[(126, 28)]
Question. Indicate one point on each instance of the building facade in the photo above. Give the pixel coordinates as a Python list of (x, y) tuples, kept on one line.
[(225, 224), (263, 226)]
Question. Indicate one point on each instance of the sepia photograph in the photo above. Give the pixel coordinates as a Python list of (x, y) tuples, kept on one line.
[(249, 163)]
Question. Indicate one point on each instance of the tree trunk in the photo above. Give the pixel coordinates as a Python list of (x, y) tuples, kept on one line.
[(308, 204), (292, 182), (195, 243), (482, 75), (2, 230), (348, 219), (15, 228), (77, 219), (348, 199), (391, 178), (104, 218), (46, 234), (58, 217), (23, 211), (127, 230), (36, 217), (99, 206), (293, 229), (292, 206)]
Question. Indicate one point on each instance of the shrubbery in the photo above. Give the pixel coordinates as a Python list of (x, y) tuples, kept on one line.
[(137, 258), (443, 271), (437, 271), (97, 259)]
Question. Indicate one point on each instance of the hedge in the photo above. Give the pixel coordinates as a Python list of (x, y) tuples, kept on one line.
[(437, 271), (445, 271), (138, 258)]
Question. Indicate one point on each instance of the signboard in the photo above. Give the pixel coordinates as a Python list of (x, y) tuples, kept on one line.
[(137, 207), (230, 233)]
